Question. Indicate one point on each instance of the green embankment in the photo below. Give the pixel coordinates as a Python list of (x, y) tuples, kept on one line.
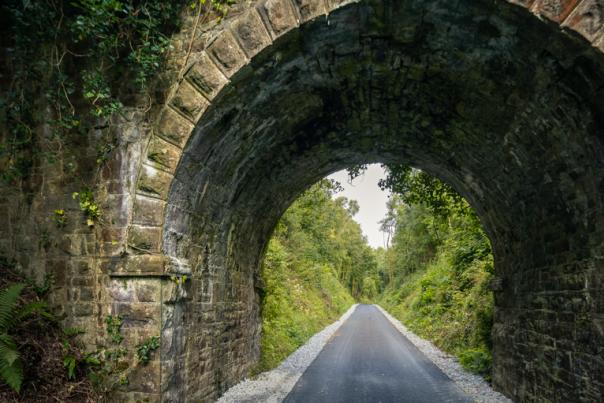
[(434, 276), (313, 266), (299, 302), (438, 270)]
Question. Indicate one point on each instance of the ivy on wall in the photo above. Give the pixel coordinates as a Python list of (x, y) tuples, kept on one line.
[(71, 64)]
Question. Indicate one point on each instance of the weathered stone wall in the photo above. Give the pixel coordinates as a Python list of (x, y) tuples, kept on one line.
[(502, 105)]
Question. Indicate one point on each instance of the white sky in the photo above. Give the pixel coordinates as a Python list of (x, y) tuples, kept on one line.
[(372, 201)]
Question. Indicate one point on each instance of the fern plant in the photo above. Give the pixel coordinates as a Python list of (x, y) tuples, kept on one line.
[(11, 367)]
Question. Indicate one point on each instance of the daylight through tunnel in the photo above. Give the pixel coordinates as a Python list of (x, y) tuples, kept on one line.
[(503, 107)]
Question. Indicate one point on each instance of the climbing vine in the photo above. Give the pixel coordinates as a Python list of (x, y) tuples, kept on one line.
[(146, 348), (72, 65)]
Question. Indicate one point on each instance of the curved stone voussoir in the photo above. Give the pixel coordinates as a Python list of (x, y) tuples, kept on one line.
[(174, 127), (227, 53), (522, 3), (251, 32), (279, 16), (205, 76), (555, 10), (600, 43), (162, 154), (333, 4), (153, 182), (189, 102), (587, 19), (309, 9)]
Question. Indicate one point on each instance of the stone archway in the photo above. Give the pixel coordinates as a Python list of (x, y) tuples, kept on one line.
[(505, 108)]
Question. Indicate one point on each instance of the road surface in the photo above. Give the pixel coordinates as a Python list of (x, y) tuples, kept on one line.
[(368, 360)]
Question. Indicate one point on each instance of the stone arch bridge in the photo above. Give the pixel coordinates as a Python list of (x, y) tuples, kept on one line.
[(504, 100)]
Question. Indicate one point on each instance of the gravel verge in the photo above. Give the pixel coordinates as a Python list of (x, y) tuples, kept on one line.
[(273, 386), (476, 387)]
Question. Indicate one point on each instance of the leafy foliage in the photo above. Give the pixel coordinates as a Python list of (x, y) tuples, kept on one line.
[(318, 229), (88, 205), (433, 276), (145, 349), (438, 267), (315, 260), (11, 367), (75, 63), (114, 325), (417, 187)]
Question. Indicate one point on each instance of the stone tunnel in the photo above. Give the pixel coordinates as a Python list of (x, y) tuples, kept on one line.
[(503, 100)]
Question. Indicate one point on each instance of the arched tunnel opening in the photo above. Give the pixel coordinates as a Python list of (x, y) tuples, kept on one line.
[(392, 236), (503, 109), (142, 178)]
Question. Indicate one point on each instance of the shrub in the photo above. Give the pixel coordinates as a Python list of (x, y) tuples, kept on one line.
[(477, 360), (11, 367)]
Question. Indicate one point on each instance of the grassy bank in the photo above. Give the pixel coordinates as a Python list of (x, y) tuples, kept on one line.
[(445, 298), (300, 301), (314, 265)]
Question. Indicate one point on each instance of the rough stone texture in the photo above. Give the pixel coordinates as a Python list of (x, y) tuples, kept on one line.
[(556, 10), (588, 19), (481, 96), (279, 15), (504, 106), (251, 32), (189, 102), (206, 76), (174, 127), (227, 53), (163, 155)]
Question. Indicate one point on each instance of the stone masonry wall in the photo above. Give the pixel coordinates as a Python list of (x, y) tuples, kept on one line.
[(501, 100)]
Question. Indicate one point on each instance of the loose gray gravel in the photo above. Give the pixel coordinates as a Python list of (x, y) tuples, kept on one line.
[(273, 386), (476, 387)]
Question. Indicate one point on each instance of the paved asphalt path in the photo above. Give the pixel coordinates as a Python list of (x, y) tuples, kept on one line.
[(368, 360)]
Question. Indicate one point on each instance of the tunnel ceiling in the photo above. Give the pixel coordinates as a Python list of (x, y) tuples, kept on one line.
[(503, 109)]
